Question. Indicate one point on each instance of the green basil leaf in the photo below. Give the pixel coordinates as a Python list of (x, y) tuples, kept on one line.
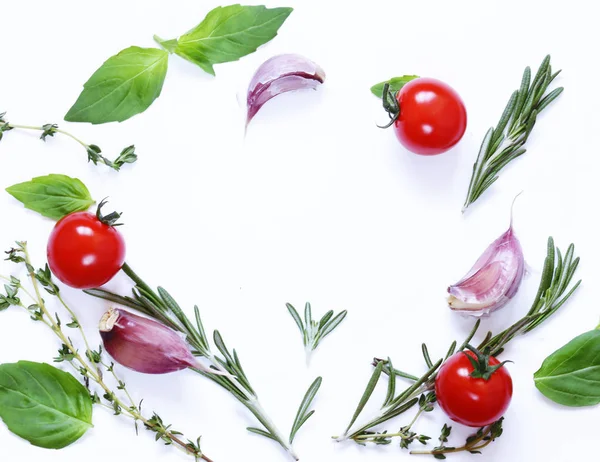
[(396, 83), (52, 196), (571, 375), (125, 85), (44, 405), (227, 33)]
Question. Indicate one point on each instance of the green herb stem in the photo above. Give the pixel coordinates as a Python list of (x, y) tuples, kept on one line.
[(504, 143), (57, 130), (127, 155)]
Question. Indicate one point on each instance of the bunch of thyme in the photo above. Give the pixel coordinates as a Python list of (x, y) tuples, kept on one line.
[(127, 155), (161, 306), (91, 365), (553, 292)]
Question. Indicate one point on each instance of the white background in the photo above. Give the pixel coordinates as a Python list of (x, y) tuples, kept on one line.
[(315, 203)]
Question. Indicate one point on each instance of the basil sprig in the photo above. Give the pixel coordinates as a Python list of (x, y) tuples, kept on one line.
[(44, 405), (53, 196), (571, 375), (227, 34)]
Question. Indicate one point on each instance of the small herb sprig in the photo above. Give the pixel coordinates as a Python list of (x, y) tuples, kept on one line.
[(314, 331), (127, 155), (554, 290), (90, 365), (506, 142), (162, 307)]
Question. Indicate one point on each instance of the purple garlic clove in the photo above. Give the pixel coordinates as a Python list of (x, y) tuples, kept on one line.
[(281, 74), (143, 344), (493, 280)]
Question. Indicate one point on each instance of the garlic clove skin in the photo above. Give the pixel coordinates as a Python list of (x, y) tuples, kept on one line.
[(143, 344), (493, 280), (280, 74)]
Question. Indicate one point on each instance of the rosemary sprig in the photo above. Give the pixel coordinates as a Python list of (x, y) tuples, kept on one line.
[(314, 331), (127, 155), (554, 290), (162, 307), (90, 364), (506, 142)]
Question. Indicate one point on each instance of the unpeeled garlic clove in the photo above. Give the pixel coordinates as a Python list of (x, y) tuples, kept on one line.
[(493, 280), (145, 345), (280, 74)]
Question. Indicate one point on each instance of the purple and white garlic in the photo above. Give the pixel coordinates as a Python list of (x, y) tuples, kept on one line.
[(145, 345), (493, 280), (280, 74)]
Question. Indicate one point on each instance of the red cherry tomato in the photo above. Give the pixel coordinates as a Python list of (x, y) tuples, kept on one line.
[(474, 402), (83, 252), (432, 117)]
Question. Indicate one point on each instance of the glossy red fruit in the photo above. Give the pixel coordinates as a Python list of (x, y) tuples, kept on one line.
[(471, 401), (85, 252), (432, 117)]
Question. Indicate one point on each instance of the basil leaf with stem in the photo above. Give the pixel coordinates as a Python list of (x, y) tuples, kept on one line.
[(161, 305), (314, 331), (503, 144), (571, 375), (226, 34), (555, 289), (127, 155), (125, 85), (52, 196), (91, 365), (44, 405), (395, 83)]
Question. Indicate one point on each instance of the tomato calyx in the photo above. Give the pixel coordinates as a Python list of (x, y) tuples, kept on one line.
[(390, 104), (111, 219), (481, 363)]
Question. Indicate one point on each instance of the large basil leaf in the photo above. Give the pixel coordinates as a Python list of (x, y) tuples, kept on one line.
[(125, 85), (396, 83), (571, 375), (44, 405), (52, 196), (228, 33)]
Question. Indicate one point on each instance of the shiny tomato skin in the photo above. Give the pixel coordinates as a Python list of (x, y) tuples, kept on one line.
[(474, 402), (432, 117), (83, 252)]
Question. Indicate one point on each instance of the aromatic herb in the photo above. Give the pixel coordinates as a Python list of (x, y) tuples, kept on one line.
[(125, 85), (395, 84), (127, 155), (556, 279), (161, 306), (91, 366), (506, 142), (314, 331), (52, 196), (474, 444), (571, 375), (227, 34), (44, 405)]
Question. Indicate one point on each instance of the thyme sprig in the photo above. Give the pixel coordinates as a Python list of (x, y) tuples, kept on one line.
[(94, 153), (474, 443), (314, 331), (506, 141), (554, 290), (89, 364), (161, 306)]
